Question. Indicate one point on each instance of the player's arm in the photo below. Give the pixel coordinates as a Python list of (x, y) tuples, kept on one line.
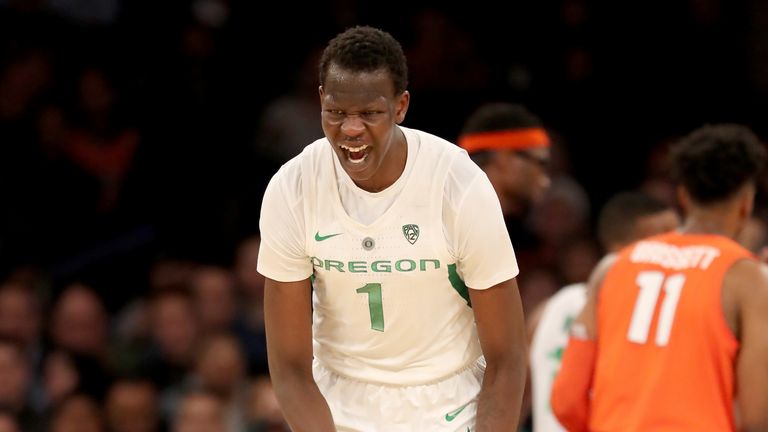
[(572, 386), (499, 317), (287, 303), (288, 322), (748, 280), (487, 264)]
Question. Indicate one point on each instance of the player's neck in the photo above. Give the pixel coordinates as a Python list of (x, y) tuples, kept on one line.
[(701, 221)]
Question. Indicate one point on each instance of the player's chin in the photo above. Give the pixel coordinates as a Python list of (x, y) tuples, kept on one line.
[(359, 172)]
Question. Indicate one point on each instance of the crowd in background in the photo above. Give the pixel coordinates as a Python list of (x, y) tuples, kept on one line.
[(136, 138)]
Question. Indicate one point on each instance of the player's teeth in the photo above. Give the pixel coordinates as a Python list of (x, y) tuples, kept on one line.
[(355, 149)]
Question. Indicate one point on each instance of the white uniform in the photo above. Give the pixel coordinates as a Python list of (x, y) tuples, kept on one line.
[(389, 271), (549, 341)]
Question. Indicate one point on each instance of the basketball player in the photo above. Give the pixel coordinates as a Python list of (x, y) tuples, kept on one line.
[(625, 218), (390, 297), (511, 145), (674, 324)]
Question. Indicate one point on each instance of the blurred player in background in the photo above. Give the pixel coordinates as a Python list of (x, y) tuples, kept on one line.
[(674, 324), (624, 219)]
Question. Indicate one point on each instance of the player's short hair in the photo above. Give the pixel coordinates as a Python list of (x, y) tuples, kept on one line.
[(366, 49), (497, 116), (715, 161), (617, 219)]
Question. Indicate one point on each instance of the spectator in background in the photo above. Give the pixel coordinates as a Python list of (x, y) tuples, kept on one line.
[(135, 324), (200, 412), (213, 290), (174, 335), (15, 383), (625, 218), (80, 323), (21, 318), (221, 370), (60, 377), (77, 413), (64, 372), (8, 422), (132, 406)]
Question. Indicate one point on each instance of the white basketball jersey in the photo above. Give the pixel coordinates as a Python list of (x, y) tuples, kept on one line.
[(389, 301), (549, 341)]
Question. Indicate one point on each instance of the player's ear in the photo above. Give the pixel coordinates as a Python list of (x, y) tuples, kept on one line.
[(320, 92), (747, 201), (402, 106)]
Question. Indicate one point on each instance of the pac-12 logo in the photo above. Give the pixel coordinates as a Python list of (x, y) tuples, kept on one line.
[(411, 233)]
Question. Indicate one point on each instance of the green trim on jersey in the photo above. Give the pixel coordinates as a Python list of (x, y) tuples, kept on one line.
[(458, 284)]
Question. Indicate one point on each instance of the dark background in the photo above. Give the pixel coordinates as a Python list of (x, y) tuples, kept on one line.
[(193, 81)]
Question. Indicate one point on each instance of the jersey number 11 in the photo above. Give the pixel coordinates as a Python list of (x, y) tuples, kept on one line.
[(651, 283)]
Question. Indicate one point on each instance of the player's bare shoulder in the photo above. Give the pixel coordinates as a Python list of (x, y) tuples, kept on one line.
[(745, 284)]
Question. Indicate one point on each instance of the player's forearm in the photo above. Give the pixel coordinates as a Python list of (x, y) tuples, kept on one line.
[(498, 407), (303, 405), (570, 391)]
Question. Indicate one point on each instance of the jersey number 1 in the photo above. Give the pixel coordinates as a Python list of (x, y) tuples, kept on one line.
[(374, 305), (651, 283)]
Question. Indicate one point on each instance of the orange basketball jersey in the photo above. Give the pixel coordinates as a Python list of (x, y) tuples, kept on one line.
[(665, 354)]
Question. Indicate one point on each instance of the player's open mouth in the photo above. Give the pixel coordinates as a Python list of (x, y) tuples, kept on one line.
[(355, 155)]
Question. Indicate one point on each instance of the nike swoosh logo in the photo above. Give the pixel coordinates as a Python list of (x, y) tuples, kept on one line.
[(452, 415), (318, 237)]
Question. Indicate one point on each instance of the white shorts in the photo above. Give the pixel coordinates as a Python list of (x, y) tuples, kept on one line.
[(449, 405)]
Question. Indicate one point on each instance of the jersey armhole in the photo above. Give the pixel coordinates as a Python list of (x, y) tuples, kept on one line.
[(722, 323)]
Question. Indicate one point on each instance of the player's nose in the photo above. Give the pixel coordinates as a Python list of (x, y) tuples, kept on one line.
[(352, 126)]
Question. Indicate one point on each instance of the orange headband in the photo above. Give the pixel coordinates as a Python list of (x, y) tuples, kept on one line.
[(518, 139)]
